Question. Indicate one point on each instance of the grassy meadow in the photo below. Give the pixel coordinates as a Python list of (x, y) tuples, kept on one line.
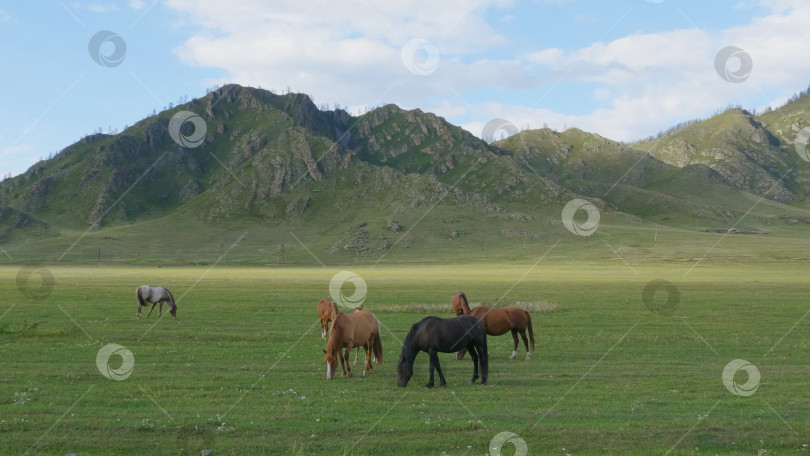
[(240, 370)]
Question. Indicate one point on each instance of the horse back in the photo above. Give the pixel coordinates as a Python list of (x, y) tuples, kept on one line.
[(324, 308), (449, 335), (357, 328)]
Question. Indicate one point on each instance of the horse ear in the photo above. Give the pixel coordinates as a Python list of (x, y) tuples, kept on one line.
[(324, 351)]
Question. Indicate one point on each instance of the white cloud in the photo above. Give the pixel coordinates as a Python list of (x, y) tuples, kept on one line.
[(655, 80), (350, 53)]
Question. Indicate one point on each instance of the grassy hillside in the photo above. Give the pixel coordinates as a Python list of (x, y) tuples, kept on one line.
[(389, 184)]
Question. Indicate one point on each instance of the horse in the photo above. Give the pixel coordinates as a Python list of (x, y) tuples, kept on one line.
[(155, 295), (379, 329), (498, 321), (434, 335), (359, 329), (324, 311), (459, 302), (325, 315)]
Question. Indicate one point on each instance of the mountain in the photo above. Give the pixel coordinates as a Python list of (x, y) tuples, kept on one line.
[(754, 153), (282, 174)]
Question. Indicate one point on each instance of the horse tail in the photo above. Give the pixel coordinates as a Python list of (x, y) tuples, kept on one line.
[(140, 298), (464, 304), (531, 331), (378, 348)]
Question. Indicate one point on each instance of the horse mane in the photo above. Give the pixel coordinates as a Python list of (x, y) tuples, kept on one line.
[(337, 326), (408, 343), (171, 298)]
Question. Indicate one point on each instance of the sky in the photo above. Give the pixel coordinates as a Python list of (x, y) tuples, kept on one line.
[(624, 69)]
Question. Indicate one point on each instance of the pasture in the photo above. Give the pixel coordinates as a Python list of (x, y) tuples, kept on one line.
[(240, 370)]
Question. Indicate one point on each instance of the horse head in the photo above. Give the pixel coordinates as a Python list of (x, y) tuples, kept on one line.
[(173, 311), (404, 371), (331, 364)]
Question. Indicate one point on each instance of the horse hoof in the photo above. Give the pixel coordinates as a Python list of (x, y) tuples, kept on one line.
[(443, 385), (429, 385)]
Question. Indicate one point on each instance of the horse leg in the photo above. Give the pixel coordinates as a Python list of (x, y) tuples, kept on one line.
[(474, 356), (356, 354), (483, 356), (367, 349), (514, 346), (160, 309), (434, 359), (460, 354), (348, 366), (525, 343), (139, 310), (150, 310)]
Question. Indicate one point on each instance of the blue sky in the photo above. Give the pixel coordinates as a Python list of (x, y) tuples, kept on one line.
[(624, 69)]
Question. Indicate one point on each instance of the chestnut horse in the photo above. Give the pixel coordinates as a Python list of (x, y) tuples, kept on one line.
[(325, 316), (154, 295), (324, 309), (359, 329), (498, 321)]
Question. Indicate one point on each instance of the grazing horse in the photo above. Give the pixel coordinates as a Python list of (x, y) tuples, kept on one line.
[(434, 335), (498, 321), (155, 295), (324, 311), (359, 329), (325, 314), (459, 303), (379, 330)]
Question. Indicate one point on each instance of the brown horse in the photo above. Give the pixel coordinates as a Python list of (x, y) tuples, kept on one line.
[(324, 310), (498, 321), (359, 329), (459, 303)]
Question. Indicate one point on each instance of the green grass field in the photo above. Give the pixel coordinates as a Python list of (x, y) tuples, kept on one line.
[(241, 371)]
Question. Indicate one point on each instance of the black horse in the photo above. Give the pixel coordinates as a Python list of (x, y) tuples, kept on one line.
[(434, 335)]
